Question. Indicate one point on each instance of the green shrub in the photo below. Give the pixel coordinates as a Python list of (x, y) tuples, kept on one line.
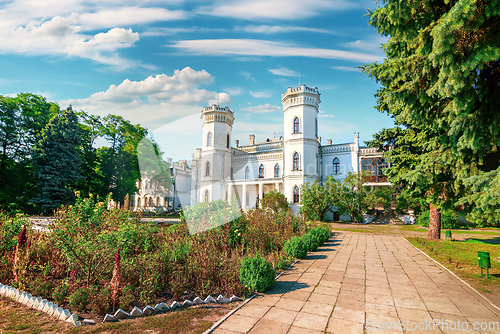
[(256, 274), (41, 288), (310, 241), (449, 219), (101, 301), (322, 234), (127, 297), (295, 247), (79, 299), (61, 292)]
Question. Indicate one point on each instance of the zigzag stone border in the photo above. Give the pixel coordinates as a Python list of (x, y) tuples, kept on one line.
[(40, 304), (164, 308)]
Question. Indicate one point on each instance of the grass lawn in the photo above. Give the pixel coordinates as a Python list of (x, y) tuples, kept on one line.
[(461, 258)]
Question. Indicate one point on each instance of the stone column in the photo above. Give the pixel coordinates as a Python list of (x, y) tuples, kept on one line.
[(230, 192), (244, 202), (277, 186), (261, 195)]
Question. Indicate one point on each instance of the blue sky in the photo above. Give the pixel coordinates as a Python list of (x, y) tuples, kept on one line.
[(157, 63)]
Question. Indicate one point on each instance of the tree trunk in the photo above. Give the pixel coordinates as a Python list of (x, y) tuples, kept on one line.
[(434, 223)]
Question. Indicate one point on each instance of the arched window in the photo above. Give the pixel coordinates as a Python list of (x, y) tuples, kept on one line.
[(247, 172), (157, 201), (296, 161), (226, 195), (206, 196), (207, 169), (151, 201), (296, 195), (316, 127), (261, 171), (336, 166), (276, 170), (227, 141), (296, 125), (232, 173), (209, 139)]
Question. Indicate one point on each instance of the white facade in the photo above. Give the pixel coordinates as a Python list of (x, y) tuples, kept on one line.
[(245, 173)]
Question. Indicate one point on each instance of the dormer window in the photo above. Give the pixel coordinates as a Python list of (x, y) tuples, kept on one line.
[(296, 125)]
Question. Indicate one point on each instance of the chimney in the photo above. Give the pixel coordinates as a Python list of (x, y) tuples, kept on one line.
[(198, 153), (328, 142), (169, 160), (183, 164), (252, 139), (236, 143)]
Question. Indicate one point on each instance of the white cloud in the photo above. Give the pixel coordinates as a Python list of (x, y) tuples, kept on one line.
[(248, 75), (284, 72), (155, 98), (234, 91), (127, 16), (162, 31), (54, 27), (261, 94), (255, 47), (346, 68), (373, 45), (61, 36), (268, 30), (263, 108), (275, 9), (323, 114)]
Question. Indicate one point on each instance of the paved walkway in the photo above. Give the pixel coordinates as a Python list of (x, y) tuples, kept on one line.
[(358, 283)]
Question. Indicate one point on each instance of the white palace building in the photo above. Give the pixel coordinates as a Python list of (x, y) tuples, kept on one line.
[(247, 172)]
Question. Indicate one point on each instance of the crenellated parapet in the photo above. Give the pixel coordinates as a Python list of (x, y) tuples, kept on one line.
[(301, 95), (216, 113)]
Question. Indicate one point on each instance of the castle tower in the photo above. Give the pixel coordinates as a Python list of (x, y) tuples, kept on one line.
[(300, 139), (216, 152)]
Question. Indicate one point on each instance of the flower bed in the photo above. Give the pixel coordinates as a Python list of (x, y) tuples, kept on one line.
[(96, 261)]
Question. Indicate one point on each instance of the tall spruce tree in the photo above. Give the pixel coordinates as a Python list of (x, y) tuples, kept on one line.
[(441, 84), (57, 161)]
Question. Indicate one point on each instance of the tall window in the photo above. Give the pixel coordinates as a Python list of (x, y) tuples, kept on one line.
[(261, 171), (206, 196), (232, 173), (247, 173), (296, 125), (209, 139), (336, 166), (227, 141), (316, 127), (296, 195), (296, 161), (276, 170), (207, 169)]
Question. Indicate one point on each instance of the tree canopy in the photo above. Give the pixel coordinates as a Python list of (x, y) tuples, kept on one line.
[(441, 85)]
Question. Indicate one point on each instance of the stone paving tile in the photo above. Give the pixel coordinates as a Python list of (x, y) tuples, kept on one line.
[(326, 290), (265, 326), (388, 310), (253, 311), (311, 321), (280, 315), (317, 308), (239, 323), (321, 298), (220, 330), (349, 314), (290, 304), (340, 326), (298, 330)]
